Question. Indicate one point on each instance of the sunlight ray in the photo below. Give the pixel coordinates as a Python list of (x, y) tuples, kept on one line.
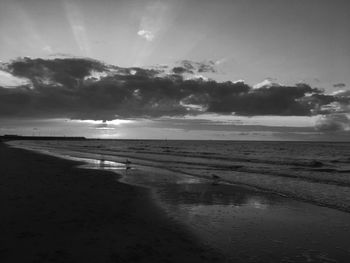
[(33, 38), (78, 28)]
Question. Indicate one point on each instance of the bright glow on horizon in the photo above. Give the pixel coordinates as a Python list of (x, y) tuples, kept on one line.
[(115, 122)]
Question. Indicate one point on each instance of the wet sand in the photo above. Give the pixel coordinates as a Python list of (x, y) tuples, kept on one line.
[(247, 224), (52, 211)]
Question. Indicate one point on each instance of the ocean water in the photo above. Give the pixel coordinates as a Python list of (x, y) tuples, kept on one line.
[(313, 171), (275, 201)]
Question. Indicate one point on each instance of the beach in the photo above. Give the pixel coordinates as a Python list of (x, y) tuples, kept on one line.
[(68, 201), (52, 211)]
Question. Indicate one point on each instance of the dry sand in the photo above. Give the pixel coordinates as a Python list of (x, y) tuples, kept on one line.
[(52, 211)]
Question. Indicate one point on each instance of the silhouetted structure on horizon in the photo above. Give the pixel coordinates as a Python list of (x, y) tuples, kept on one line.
[(8, 137)]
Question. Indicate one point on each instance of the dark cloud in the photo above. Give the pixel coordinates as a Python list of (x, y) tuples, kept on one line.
[(103, 126), (339, 85), (333, 122), (274, 100), (66, 88), (181, 70), (66, 71), (198, 67)]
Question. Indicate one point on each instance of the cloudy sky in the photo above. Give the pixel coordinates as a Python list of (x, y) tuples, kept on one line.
[(181, 69)]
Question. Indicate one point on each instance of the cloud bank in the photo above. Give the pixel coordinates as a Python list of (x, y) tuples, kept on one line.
[(333, 122), (339, 85), (88, 89)]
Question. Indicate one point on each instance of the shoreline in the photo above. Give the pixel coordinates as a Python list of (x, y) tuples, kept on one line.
[(55, 211), (288, 194)]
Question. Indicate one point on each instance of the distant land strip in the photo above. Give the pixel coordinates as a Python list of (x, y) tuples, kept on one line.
[(8, 137)]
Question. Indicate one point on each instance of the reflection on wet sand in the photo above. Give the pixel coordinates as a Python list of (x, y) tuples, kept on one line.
[(249, 225), (208, 194)]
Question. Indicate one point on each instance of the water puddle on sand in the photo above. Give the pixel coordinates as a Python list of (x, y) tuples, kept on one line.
[(245, 224)]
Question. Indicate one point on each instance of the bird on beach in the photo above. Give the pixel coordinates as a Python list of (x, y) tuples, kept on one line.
[(127, 164), (102, 161), (215, 178)]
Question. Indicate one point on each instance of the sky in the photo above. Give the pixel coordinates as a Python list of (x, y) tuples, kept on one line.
[(74, 67)]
